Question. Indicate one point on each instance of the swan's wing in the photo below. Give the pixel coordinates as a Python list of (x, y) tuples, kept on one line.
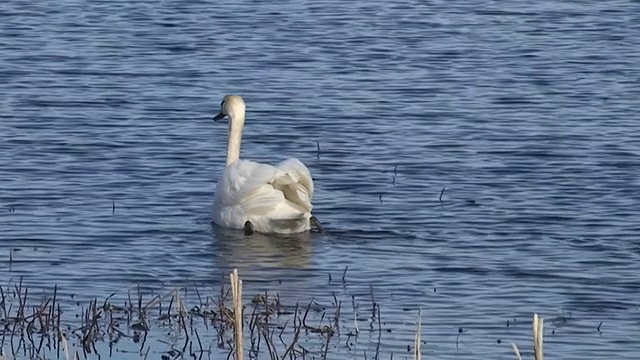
[(242, 180), (254, 186), (299, 188)]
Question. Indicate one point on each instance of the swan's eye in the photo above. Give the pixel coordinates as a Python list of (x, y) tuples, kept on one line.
[(222, 104)]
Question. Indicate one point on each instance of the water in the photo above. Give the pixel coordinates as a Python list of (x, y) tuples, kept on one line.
[(525, 112)]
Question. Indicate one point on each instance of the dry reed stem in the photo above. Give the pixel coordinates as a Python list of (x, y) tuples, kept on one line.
[(182, 309), (156, 300), (65, 345), (417, 346), (516, 350), (537, 337), (236, 289)]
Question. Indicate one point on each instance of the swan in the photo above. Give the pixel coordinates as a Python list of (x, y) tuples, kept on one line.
[(258, 197)]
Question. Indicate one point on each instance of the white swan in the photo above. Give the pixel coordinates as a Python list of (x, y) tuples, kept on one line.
[(260, 197)]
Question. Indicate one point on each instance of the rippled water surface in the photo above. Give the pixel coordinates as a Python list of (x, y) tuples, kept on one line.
[(526, 112)]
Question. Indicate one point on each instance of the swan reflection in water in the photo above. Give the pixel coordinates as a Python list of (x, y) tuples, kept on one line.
[(254, 254)]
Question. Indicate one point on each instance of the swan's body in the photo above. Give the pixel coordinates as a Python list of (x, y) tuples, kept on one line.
[(272, 199)]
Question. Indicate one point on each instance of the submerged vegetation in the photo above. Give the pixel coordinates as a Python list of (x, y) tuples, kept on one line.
[(165, 327)]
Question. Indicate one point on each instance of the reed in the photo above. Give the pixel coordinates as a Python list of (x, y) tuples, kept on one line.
[(417, 346), (236, 289), (537, 337), (65, 346), (537, 340)]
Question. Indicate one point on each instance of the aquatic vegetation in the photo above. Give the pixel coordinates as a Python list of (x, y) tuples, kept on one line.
[(263, 326)]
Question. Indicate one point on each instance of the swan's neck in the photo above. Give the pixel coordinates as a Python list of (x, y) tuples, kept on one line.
[(235, 137)]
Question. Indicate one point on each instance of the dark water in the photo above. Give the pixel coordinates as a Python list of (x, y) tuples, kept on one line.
[(526, 112)]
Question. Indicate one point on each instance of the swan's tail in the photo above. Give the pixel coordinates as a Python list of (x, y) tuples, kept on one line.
[(291, 226)]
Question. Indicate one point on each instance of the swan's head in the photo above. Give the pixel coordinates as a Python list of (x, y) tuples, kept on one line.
[(232, 106)]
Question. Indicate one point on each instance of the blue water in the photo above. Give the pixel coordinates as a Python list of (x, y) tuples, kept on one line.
[(526, 112)]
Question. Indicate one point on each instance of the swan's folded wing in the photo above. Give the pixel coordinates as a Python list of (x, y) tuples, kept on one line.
[(297, 184), (243, 178), (261, 201)]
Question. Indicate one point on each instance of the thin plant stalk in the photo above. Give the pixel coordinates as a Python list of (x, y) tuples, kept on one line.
[(537, 337), (417, 348), (236, 289)]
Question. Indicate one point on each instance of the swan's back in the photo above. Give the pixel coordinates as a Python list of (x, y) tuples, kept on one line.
[(272, 198)]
